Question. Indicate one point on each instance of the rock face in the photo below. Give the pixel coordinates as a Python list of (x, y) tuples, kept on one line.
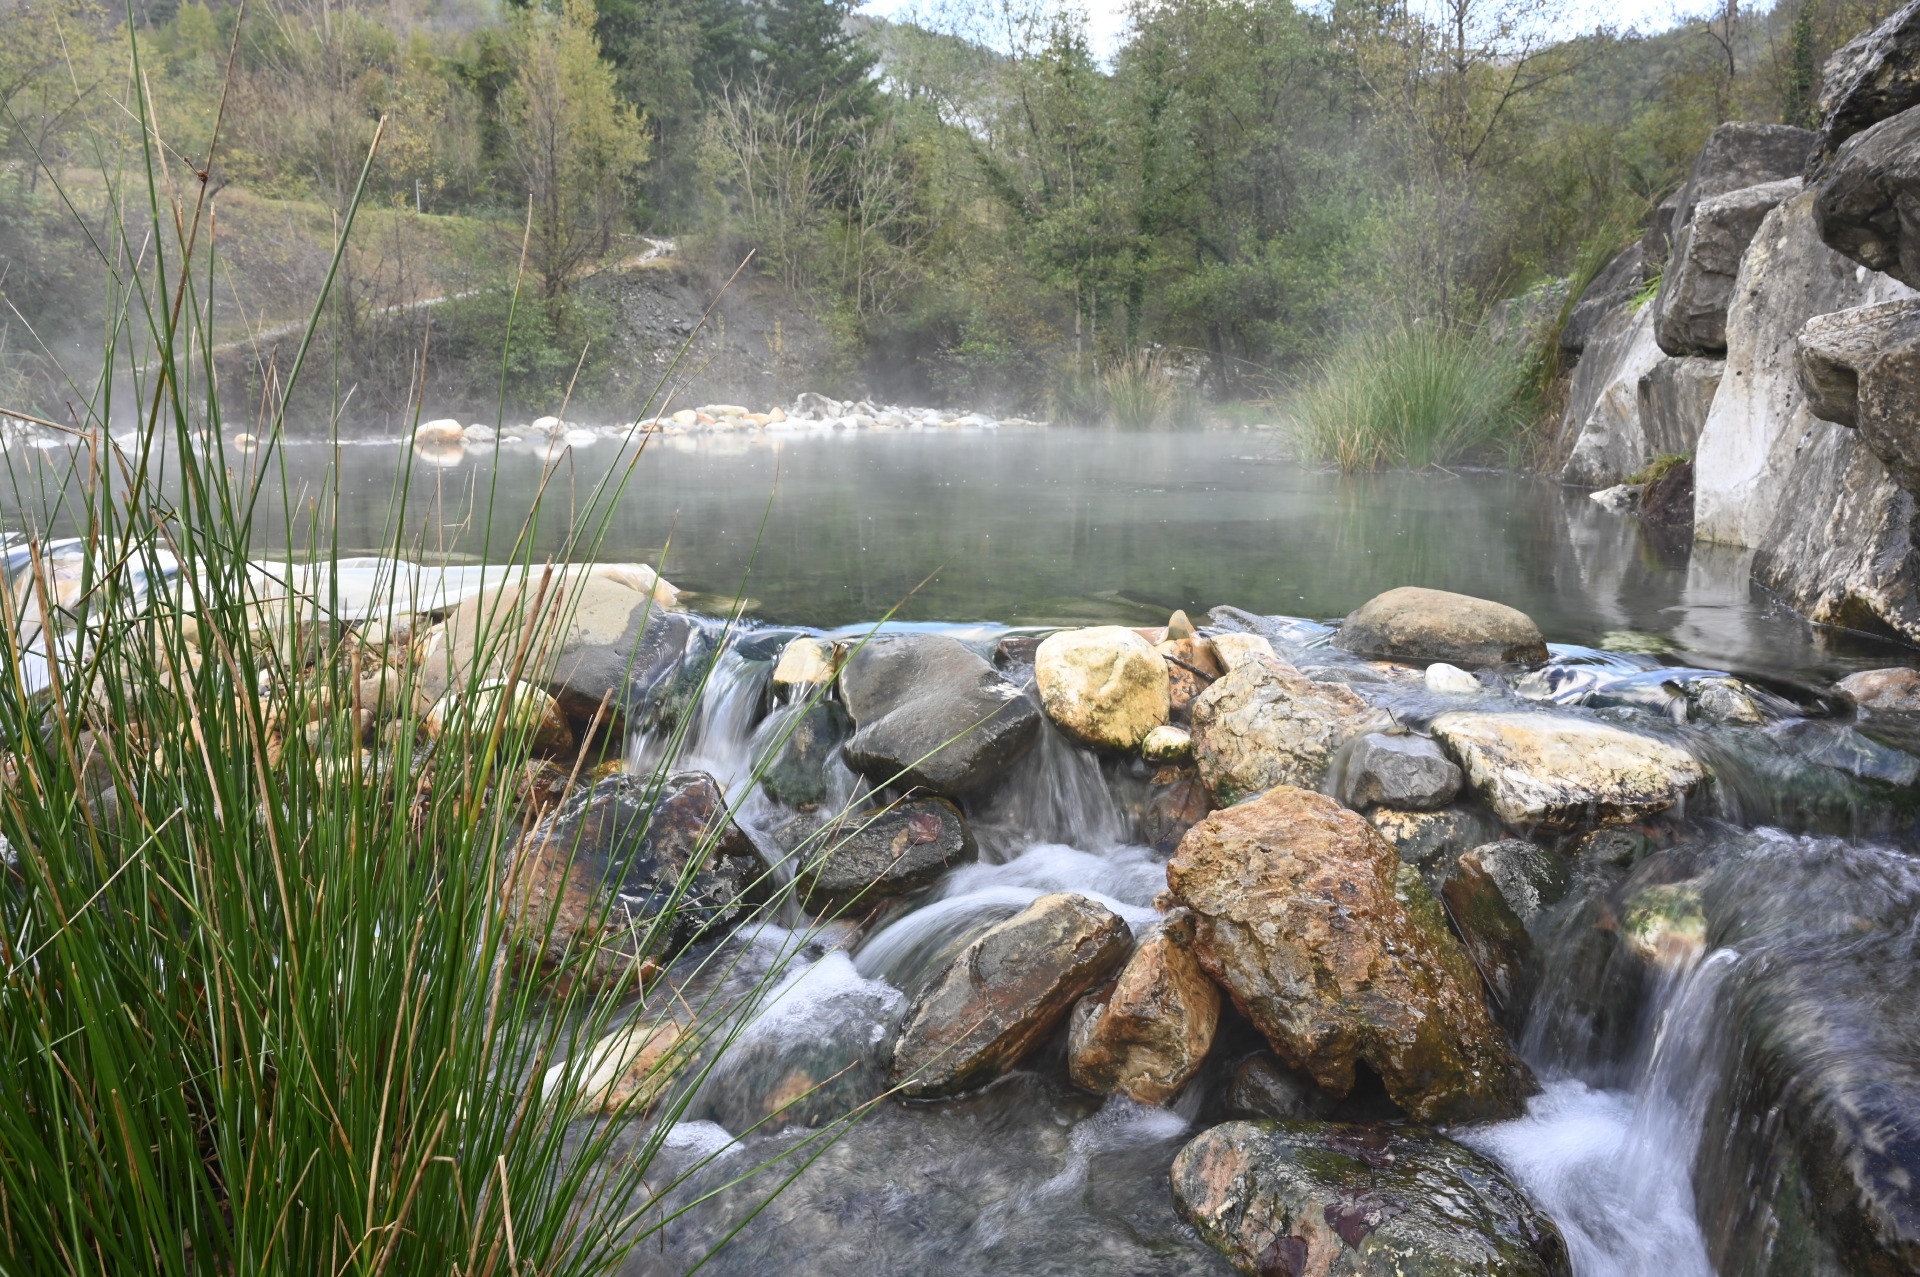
[(866, 857), (1690, 313), (1006, 991), (1667, 502), (1616, 284), (1675, 396), (1104, 686), (1554, 771), (1871, 78), (1417, 625), (1867, 204), (1149, 1034), (1736, 155), (1896, 690), (603, 869), (1320, 1198), (1339, 958), (1492, 894), (1602, 415), (930, 713), (1861, 368), (1267, 724), (1409, 772)]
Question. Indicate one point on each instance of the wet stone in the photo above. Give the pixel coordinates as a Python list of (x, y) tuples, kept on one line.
[(1403, 771), (1263, 1087), (1147, 1035), (1420, 625), (869, 856), (799, 773), (928, 712)]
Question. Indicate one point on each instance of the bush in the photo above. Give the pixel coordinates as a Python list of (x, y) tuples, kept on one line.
[(1413, 396), (1140, 391)]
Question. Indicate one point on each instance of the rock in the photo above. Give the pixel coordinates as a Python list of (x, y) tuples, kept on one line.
[(1675, 396), (1736, 156), (1417, 625), (1450, 680), (445, 430), (1339, 960), (805, 663), (1105, 686), (1264, 1087), (1403, 771), (1602, 415), (1690, 312), (928, 712), (1428, 838), (530, 714), (1621, 498), (1861, 368), (1555, 771), (1667, 502), (1871, 78), (619, 643), (1492, 894), (1234, 650), (800, 773), (1617, 283), (1006, 991), (601, 870), (865, 857), (1296, 1198), (1177, 800), (626, 1072), (1529, 878), (1664, 924), (1657, 240), (1896, 690), (1192, 668), (1148, 1035), (1267, 724), (1867, 203), (1167, 744)]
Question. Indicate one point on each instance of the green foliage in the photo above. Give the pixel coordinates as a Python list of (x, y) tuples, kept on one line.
[(1414, 397), (1659, 467)]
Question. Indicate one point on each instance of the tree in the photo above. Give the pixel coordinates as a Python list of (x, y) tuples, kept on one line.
[(576, 147)]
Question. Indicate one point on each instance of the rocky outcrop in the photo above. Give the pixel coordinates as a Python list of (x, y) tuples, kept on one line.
[(866, 857), (1736, 155), (1004, 992), (1870, 78), (930, 713), (1617, 283), (1341, 959), (1556, 771), (1106, 686), (1418, 625), (1867, 204), (1861, 368), (1320, 1198), (1602, 416), (1267, 724), (1148, 1035), (1690, 312), (1404, 771), (1492, 893), (1675, 396)]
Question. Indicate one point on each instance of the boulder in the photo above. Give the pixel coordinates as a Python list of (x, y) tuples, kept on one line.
[(1148, 1035), (1417, 625), (1896, 690), (1492, 894), (1602, 416), (626, 1072), (805, 663), (1405, 771), (1105, 686), (928, 712), (530, 713), (1871, 78), (801, 771), (1302, 1197), (1340, 959), (868, 856), (1006, 991), (1232, 651), (1267, 724), (1264, 1087), (1690, 312), (1738, 155), (1176, 801), (1675, 396), (1428, 839), (603, 872), (1617, 283), (1556, 771), (443, 431), (1861, 368), (1867, 203)]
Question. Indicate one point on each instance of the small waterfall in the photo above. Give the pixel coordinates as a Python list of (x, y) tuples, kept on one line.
[(1056, 794)]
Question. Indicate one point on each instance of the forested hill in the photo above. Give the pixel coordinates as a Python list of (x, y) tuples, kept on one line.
[(969, 208)]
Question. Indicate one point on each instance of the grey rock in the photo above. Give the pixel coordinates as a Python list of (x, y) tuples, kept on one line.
[(1675, 396), (1868, 201), (1420, 625), (800, 772), (1861, 368), (868, 856), (1267, 724), (1616, 283), (1602, 416), (1895, 689), (1690, 312), (929, 712), (1738, 155), (1427, 839), (1409, 772), (1871, 78), (1263, 1087)]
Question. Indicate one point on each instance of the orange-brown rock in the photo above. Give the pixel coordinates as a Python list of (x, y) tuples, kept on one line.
[(1147, 1036), (1340, 959), (1192, 668), (1267, 724)]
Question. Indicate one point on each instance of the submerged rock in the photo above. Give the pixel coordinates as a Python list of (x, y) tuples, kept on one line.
[(1554, 771), (1313, 1198), (1404, 771), (865, 857), (1006, 991), (1419, 625), (929, 712), (1339, 959), (1104, 686), (1267, 724), (1148, 1035)]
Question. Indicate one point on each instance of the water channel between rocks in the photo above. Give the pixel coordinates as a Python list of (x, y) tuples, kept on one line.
[(1799, 848)]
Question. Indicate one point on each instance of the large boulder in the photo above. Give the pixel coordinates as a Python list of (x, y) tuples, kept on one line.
[(1617, 283), (1006, 991), (1105, 686), (1493, 893), (1690, 312), (1555, 771), (632, 872), (1861, 368), (865, 857), (1420, 625), (1267, 724), (1675, 396), (1871, 78), (1893, 690), (1149, 1034), (1736, 155), (1340, 958), (1867, 203), (1303, 1197), (1602, 415), (929, 712), (1389, 770)]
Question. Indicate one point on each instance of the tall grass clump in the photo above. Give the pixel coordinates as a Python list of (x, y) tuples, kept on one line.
[(1413, 396), (264, 1007), (1140, 390)]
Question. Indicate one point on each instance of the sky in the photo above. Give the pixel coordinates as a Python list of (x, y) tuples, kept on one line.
[(1107, 19)]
